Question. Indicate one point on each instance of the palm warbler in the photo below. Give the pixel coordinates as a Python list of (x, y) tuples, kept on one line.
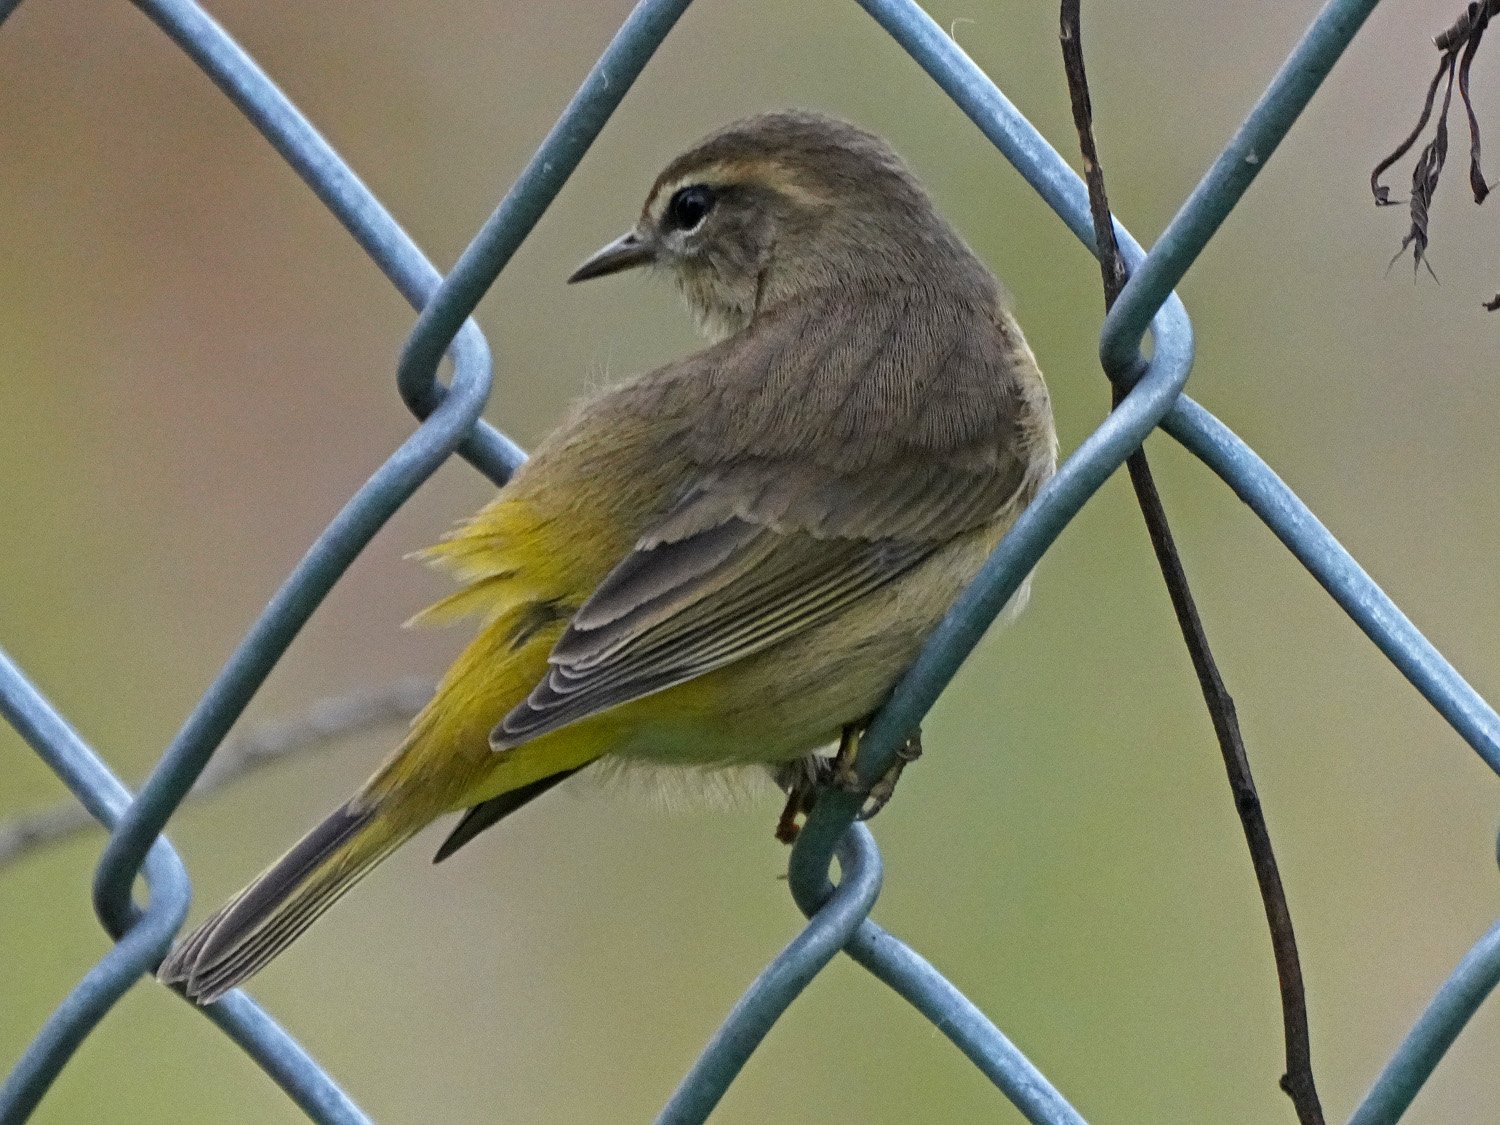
[(730, 559)]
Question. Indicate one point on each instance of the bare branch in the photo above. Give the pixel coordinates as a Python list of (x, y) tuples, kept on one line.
[(327, 722), (1298, 1079)]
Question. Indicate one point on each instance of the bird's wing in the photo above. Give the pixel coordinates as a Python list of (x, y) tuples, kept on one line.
[(768, 539)]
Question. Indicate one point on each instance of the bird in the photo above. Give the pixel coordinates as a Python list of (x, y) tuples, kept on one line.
[(731, 559)]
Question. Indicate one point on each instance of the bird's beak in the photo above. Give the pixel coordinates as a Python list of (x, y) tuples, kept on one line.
[(624, 253)]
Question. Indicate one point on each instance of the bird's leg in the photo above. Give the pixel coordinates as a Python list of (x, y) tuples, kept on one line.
[(787, 826), (879, 794), (883, 790), (801, 780), (842, 773)]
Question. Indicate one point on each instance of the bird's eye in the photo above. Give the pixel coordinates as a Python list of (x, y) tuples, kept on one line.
[(689, 206)]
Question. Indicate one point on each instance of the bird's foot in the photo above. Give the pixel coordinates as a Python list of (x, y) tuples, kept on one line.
[(803, 779), (882, 791)]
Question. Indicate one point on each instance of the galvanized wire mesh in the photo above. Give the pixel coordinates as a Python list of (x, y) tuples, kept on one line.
[(838, 913)]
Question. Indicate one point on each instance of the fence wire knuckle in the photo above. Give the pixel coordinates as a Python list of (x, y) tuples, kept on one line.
[(449, 423)]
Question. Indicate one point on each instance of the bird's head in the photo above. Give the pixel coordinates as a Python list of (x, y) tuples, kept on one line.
[(784, 203)]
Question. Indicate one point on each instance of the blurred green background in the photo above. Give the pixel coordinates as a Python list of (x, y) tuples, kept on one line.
[(195, 372)]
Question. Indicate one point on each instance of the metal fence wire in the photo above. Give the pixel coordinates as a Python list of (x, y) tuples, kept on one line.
[(838, 913)]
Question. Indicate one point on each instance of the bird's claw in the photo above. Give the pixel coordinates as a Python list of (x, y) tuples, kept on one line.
[(882, 791), (802, 783)]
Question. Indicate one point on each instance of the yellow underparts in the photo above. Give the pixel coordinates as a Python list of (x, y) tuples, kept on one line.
[(523, 591)]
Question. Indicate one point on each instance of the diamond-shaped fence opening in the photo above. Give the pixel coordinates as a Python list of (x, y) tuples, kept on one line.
[(838, 912)]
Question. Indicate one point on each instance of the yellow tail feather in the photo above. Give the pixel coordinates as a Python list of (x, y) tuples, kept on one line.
[(444, 765)]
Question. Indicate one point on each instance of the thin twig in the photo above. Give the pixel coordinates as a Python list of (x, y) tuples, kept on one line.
[(1298, 1079), (327, 722)]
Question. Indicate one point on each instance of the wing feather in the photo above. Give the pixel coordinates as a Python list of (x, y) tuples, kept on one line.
[(830, 454)]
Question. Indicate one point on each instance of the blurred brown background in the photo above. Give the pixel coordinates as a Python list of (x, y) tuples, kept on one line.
[(195, 372)]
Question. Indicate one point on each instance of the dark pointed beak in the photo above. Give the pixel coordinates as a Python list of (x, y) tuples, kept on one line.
[(624, 253)]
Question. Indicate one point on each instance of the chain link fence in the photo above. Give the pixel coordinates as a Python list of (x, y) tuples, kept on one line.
[(838, 912)]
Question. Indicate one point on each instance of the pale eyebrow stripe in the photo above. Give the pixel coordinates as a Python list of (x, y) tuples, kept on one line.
[(731, 170)]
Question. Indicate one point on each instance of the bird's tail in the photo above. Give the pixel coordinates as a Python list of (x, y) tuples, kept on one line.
[(445, 764), (270, 913)]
